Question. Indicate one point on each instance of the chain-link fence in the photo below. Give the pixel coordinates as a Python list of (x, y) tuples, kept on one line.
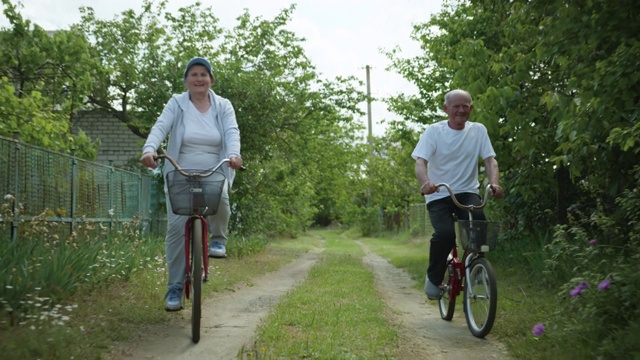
[(39, 183), (419, 220), (413, 218)]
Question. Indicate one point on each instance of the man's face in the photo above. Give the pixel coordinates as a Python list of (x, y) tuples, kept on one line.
[(458, 109)]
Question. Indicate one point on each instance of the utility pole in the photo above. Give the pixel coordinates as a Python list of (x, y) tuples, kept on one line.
[(370, 136)]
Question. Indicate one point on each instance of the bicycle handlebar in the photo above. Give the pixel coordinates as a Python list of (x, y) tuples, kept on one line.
[(468, 207), (196, 174)]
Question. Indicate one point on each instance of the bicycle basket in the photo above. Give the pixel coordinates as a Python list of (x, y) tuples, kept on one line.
[(195, 195), (478, 235)]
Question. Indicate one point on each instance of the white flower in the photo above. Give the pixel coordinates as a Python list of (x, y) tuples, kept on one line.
[(9, 197), (112, 212)]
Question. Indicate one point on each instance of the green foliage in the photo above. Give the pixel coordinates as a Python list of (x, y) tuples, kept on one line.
[(240, 246), (36, 124), (43, 81), (370, 221), (297, 130), (391, 181), (554, 83), (603, 255), (142, 56)]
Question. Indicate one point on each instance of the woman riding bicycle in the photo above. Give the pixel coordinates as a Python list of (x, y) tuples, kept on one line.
[(203, 131)]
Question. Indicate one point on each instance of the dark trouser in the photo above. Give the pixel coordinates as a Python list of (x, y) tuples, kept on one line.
[(441, 214)]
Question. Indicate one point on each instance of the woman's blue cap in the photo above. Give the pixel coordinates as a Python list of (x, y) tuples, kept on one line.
[(198, 61)]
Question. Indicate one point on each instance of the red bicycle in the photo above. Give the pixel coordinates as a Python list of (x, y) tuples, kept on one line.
[(473, 274), (195, 193)]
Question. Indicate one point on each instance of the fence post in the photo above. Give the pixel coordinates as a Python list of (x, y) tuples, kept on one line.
[(110, 192), (73, 189), (406, 215), (16, 190)]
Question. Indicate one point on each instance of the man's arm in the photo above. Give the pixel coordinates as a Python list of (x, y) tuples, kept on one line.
[(426, 185), (493, 173)]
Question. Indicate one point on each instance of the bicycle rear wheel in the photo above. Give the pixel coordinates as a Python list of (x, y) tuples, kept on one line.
[(480, 297), (196, 278), (448, 299)]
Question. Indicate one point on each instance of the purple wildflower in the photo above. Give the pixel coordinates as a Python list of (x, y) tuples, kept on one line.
[(579, 289), (604, 285), (538, 330), (593, 241)]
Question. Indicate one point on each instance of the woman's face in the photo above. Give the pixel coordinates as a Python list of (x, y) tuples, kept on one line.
[(198, 79)]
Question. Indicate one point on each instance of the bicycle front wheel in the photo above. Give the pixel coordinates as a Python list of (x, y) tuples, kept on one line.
[(448, 299), (480, 297), (196, 279)]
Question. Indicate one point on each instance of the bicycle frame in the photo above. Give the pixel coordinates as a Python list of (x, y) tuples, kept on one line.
[(459, 278), (196, 239), (467, 256), (188, 224)]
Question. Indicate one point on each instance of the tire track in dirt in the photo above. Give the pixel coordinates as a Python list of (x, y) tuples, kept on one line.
[(229, 319), (422, 332)]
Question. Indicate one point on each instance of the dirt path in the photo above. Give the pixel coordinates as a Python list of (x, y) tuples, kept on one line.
[(423, 334), (230, 319)]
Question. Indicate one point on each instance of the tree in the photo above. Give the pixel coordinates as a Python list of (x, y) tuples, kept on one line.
[(296, 128), (555, 84), (43, 79)]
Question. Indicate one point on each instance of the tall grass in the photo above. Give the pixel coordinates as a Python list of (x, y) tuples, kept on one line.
[(40, 270), (98, 284)]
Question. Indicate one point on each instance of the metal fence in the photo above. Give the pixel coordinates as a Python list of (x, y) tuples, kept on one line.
[(36, 182), (419, 220)]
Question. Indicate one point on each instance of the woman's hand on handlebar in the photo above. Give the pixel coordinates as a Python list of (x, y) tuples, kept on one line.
[(148, 160), (235, 162)]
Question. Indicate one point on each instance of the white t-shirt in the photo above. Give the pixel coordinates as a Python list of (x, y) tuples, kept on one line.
[(452, 156), (201, 142)]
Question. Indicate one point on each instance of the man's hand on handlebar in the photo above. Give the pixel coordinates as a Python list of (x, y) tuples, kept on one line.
[(428, 188), (497, 191)]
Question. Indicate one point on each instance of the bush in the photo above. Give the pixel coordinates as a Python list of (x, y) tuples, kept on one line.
[(370, 221), (599, 255)]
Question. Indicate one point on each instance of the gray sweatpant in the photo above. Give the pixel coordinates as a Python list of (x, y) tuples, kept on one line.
[(174, 241)]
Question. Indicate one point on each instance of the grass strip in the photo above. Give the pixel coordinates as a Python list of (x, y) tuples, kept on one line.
[(335, 314)]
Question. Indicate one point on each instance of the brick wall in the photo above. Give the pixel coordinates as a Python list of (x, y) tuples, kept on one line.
[(117, 143)]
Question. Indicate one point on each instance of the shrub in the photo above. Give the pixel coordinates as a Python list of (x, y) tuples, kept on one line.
[(598, 314)]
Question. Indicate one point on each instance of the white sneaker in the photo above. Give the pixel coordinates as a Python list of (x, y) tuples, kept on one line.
[(217, 250), (433, 291), (174, 300)]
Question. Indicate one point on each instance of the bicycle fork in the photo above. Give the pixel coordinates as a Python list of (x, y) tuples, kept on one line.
[(454, 266)]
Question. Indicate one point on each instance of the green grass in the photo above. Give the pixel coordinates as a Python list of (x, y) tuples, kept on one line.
[(404, 252), (123, 292), (335, 314), (524, 299)]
